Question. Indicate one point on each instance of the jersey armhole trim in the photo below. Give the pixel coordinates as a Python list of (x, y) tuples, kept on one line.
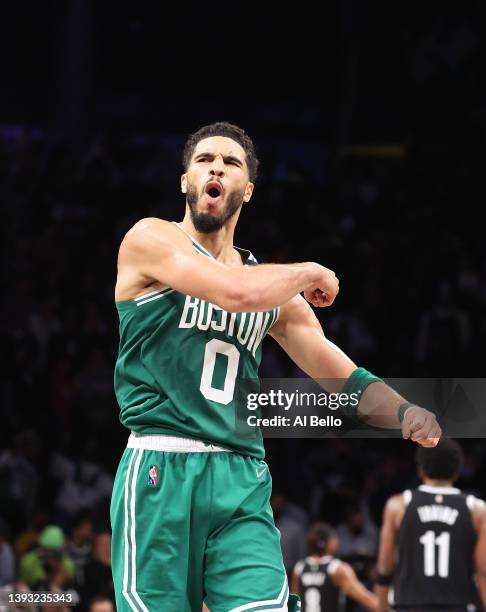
[(333, 566), (298, 567), (407, 497), (277, 315)]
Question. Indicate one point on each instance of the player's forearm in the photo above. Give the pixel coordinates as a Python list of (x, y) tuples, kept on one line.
[(379, 406), (481, 583), (269, 285), (382, 593), (366, 598), (354, 589)]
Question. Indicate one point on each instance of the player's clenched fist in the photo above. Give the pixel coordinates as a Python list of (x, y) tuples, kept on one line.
[(324, 290), (420, 425)]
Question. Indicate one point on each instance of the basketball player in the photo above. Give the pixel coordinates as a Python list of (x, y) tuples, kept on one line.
[(190, 507), (321, 579), (433, 539)]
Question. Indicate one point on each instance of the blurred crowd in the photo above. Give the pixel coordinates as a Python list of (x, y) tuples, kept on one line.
[(400, 230)]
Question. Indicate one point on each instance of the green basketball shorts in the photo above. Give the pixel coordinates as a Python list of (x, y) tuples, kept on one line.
[(191, 523)]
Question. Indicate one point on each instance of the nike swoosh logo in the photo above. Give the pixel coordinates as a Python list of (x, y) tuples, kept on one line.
[(261, 472)]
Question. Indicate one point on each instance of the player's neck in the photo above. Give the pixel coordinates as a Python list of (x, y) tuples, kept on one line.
[(219, 243), (433, 482)]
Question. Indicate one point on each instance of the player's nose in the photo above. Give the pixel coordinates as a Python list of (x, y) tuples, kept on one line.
[(217, 167)]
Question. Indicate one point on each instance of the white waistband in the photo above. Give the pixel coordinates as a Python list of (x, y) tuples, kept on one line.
[(160, 442)]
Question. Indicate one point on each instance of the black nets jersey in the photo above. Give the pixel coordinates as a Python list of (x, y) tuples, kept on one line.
[(318, 593), (436, 540)]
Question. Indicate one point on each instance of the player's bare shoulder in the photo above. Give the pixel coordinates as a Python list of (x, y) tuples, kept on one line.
[(151, 234), (477, 507), (146, 241), (395, 509)]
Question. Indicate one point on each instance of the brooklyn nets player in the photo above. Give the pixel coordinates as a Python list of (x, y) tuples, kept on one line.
[(438, 536), (321, 580)]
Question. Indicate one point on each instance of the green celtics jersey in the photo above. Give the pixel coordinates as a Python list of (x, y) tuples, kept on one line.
[(181, 362)]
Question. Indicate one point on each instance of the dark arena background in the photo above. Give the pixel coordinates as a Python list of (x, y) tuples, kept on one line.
[(370, 128)]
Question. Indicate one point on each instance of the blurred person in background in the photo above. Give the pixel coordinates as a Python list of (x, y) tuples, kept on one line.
[(48, 567), (83, 481), (433, 540), (322, 580), (79, 544), (7, 558), (20, 479), (101, 604), (292, 523), (98, 580), (11, 589), (358, 536), (28, 538)]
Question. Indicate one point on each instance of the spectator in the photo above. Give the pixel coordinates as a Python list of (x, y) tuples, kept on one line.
[(291, 521), (28, 539), (20, 478), (7, 559), (48, 567), (358, 536), (98, 578), (79, 544), (101, 604), (83, 482)]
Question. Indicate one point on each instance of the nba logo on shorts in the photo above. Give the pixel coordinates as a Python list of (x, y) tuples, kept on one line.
[(153, 475)]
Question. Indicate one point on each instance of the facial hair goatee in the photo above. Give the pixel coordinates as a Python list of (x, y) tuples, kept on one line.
[(206, 223)]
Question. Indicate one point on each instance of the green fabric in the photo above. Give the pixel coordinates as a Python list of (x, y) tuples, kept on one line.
[(359, 380), (203, 531), (182, 366), (51, 537), (32, 572)]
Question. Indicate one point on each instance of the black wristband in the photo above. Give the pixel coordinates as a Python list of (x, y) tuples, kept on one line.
[(402, 409), (383, 580)]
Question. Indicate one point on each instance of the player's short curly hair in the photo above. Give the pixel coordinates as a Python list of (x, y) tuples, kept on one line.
[(228, 130), (444, 462), (318, 537)]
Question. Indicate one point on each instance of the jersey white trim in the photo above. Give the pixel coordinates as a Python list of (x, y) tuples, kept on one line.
[(250, 257), (442, 490), (125, 537), (333, 566), (147, 295), (276, 316), (471, 502), (281, 601), (407, 497), (158, 294), (298, 567), (193, 240), (176, 444), (133, 589)]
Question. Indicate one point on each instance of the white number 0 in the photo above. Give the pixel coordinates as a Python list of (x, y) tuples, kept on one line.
[(225, 395)]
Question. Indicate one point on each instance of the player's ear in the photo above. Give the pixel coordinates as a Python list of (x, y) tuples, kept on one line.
[(248, 192), (184, 183)]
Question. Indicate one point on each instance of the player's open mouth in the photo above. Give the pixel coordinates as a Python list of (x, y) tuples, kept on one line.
[(213, 189)]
